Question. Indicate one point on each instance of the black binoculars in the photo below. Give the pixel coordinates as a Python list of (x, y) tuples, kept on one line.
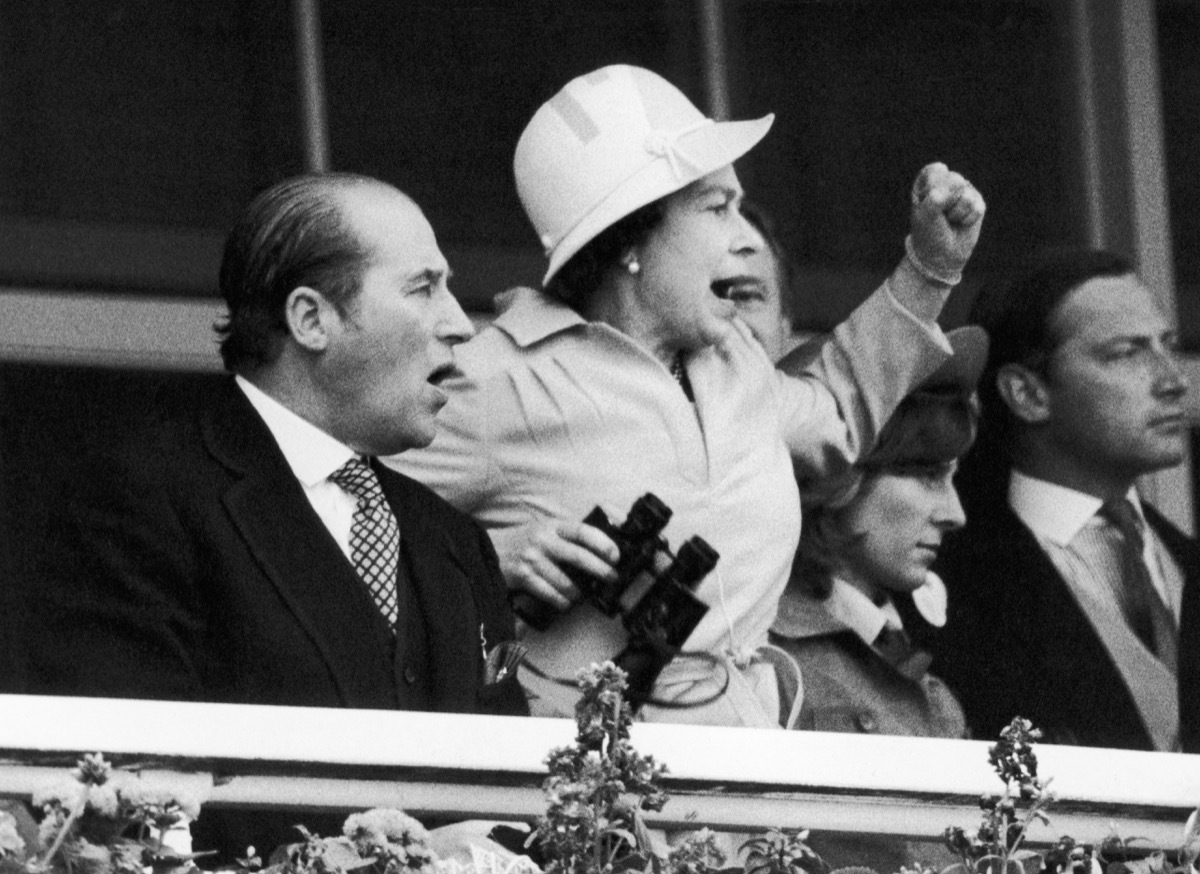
[(653, 591)]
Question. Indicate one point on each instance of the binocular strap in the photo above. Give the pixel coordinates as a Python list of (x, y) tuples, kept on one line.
[(666, 705)]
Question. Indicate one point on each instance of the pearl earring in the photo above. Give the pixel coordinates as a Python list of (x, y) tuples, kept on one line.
[(633, 267)]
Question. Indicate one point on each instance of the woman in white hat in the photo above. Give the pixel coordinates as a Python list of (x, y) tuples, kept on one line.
[(629, 374)]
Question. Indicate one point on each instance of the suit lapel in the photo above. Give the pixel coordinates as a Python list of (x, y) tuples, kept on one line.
[(298, 556), (1187, 553), (439, 578), (1074, 655)]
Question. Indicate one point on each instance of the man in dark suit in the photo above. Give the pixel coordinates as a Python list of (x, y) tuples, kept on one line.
[(248, 547), (214, 557), (1073, 603)]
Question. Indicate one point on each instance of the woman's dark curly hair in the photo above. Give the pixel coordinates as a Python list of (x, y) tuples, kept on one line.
[(578, 279)]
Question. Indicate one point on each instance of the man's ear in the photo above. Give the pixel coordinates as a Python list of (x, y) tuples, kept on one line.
[(309, 316), (1025, 393)]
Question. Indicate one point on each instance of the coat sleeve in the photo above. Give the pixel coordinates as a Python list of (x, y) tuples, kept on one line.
[(833, 410)]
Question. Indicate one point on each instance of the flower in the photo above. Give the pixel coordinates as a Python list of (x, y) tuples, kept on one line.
[(782, 851), (11, 843), (1013, 758), (391, 837), (158, 806), (92, 769), (698, 854), (598, 789)]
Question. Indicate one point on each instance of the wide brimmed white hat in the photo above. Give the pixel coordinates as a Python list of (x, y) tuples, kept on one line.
[(610, 142)]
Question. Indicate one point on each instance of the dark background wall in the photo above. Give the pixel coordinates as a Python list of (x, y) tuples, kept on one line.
[(158, 119)]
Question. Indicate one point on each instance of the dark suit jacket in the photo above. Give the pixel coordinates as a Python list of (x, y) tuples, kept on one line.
[(189, 565), (1017, 644)]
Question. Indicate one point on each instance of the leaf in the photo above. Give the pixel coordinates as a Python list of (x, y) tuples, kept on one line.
[(624, 834), (757, 865), (1189, 848), (167, 855), (633, 862), (279, 857), (1149, 865), (342, 854), (173, 868), (990, 864), (1027, 861)]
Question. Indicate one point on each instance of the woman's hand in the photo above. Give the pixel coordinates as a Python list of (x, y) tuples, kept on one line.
[(947, 214), (545, 551)]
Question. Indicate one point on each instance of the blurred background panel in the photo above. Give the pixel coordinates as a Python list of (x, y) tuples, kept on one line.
[(867, 93), (133, 130)]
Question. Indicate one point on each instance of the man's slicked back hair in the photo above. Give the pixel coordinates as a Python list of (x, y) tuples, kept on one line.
[(1019, 316), (292, 234)]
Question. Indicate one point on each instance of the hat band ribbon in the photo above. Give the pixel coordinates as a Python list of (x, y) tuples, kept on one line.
[(665, 144)]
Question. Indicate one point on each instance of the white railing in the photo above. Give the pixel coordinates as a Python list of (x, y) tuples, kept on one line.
[(492, 767)]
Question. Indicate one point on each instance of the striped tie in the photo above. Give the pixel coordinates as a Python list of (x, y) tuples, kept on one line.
[(1144, 609)]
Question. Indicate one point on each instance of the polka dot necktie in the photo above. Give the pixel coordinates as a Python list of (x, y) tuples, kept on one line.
[(374, 535)]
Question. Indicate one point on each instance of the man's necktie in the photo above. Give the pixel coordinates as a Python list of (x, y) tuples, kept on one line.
[(374, 534), (1144, 609), (894, 646)]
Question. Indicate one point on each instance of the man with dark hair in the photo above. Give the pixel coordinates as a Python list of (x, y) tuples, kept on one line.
[(249, 548), (1072, 602)]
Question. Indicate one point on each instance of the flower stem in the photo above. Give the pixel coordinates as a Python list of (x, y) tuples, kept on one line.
[(75, 813)]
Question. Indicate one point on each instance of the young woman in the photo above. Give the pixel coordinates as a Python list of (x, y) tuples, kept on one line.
[(869, 540)]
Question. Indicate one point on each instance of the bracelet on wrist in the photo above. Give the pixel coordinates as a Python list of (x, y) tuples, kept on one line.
[(927, 271)]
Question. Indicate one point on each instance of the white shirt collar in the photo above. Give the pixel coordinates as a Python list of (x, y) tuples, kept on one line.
[(848, 609), (1053, 512), (311, 453), (858, 613)]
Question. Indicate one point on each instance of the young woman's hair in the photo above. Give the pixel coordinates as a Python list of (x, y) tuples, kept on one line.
[(930, 428)]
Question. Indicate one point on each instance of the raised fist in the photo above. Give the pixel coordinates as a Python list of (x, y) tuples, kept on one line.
[(947, 214)]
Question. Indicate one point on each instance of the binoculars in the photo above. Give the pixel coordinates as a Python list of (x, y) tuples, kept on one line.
[(653, 591)]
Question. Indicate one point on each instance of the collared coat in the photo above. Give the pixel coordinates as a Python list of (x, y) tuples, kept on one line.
[(849, 687)]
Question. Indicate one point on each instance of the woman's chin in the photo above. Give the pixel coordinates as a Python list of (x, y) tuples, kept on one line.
[(908, 583)]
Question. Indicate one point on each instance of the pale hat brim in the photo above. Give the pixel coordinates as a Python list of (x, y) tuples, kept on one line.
[(699, 152)]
